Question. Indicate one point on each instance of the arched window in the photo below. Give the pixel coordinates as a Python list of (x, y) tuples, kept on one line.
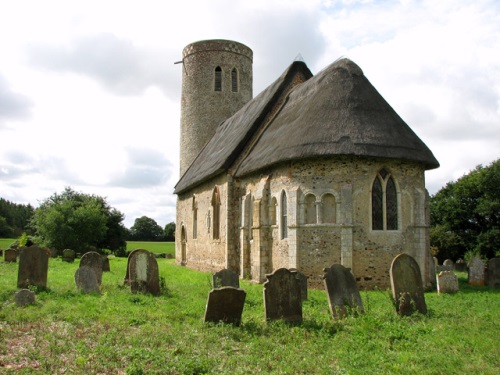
[(310, 209), (328, 208), (216, 214), (384, 202), (234, 80), (195, 218), (272, 211), (284, 218), (218, 79)]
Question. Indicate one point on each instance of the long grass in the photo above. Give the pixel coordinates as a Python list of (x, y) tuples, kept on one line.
[(118, 332)]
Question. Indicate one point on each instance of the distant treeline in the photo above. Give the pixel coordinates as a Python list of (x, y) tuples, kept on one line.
[(14, 218)]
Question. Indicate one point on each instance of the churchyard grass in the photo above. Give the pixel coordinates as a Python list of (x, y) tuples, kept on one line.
[(118, 332), (154, 247)]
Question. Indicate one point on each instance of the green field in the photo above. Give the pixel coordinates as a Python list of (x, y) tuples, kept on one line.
[(118, 332)]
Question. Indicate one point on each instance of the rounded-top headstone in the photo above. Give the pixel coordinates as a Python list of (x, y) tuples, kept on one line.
[(406, 283), (93, 260)]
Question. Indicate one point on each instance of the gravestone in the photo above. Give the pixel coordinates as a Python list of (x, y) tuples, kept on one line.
[(126, 280), (447, 282), (105, 264), (476, 272), (225, 277), (431, 274), (282, 297), (10, 256), (68, 255), (225, 305), (93, 260), (302, 278), (86, 280), (342, 291), (448, 265), (494, 272), (143, 272), (406, 283), (25, 297), (460, 266), (33, 267)]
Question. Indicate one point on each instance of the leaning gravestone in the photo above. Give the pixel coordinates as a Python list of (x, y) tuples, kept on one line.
[(25, 297), (33, 267), (68, 255), (225, 305), (282, 297), (342, 291), (86, 280), (447, 282), (143, 272), (93, 260), (406, 283), (10, 256), (225, 277), (494, 272), (476, 272), (448, 265)]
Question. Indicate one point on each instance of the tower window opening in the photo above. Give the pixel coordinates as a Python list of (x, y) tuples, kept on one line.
[(234, 80), (218, 79)]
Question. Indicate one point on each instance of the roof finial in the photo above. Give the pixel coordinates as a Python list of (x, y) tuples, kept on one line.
[(299, 58)]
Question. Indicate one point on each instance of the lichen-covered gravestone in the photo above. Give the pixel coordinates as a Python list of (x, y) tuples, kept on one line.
[(33, 267), (68, 255), (25, 297), (93, 260), (282, 297), (86, 280), (494, 272), (225, 277), (447, 282), (342, 291), (143, 272), (10, 256), (476, 272), (225, 305), (406, 283)]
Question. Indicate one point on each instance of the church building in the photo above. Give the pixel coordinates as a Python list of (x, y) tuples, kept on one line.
[(315, 170)]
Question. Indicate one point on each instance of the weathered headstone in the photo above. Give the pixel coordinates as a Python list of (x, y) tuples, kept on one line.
[(10, 256), (448, 265), (342, 291), (143, 272), (476, 272), (93, 260), (302, 278), (126, 279), (105, 264), (33, 267), (86, 280), (225, 277), (25, 297), (53, 253), (494, 272), (282, 297), (406, 283), (68, 255), (431, 274), (460, 266), (447, 282), (225, 305)]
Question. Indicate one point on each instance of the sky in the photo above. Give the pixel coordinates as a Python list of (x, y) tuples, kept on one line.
[(90, 94)]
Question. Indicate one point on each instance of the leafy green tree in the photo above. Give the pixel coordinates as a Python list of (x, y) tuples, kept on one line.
[(14, 218), (146, 229), (465, 214), (169, 232), (77, 221)]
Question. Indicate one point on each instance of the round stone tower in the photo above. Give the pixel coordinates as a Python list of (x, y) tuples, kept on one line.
[(216, 83)]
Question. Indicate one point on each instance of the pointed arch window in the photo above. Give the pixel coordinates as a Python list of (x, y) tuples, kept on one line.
[(216, 214), (218, 79), (284, 217), (234, 80), (384, 202)]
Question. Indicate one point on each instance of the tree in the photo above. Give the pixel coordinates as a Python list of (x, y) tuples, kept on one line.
[(146, 229), (79, 222), (465, 214), (169, 232), (14, 218)]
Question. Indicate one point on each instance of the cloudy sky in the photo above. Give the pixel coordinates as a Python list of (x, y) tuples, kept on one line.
[(90, 95)]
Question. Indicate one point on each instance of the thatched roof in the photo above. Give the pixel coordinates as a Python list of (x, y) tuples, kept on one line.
[(336, 112)]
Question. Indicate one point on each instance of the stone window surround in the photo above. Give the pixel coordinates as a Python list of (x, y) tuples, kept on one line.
[(384, 180)]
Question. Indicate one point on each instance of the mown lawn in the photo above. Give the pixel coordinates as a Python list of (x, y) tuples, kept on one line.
[(122, 333)]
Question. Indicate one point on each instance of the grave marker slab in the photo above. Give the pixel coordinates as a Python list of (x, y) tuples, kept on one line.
[(460, 266), (447, 282), (225, 277), (225, 305), (282, 297), (342, 291), (86, 280), (448, 265), (494, 272), (143, 272), (93, 260), (68, 255), (25, 297), (10, 256), (476, 272), (105, 264), (302, 278), (33, 267), (406, 283)]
